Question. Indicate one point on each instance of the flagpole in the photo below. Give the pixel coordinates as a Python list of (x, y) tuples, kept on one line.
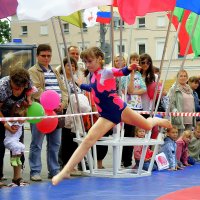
[(181, 66), (112, 35), (189, 42), (82, 38), (169, 63), (125, 92), (155, 94), (63, 68), (71, 73), (76, 95), (161, 65)]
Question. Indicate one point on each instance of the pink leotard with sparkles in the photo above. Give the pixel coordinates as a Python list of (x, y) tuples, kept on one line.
[(103, 87)]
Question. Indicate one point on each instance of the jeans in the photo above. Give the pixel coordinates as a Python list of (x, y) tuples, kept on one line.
[(146, 165), (53, 145)]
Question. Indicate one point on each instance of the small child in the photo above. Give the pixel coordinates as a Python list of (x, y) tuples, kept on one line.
[(194, 145), (11, 140), (182, 156), (169, 147), (140, 133)]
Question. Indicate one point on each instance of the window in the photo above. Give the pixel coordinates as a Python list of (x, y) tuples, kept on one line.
[(161, 21), (141, 22), (160, 42), (24, 30), (44, 30), (120, 48), (85, 29), (116, 22), (66, 28), (141, 48)]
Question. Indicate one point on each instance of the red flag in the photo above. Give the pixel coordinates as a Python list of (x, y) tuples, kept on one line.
[(183, 35), (114, 3), (7, 8), (129, 9)]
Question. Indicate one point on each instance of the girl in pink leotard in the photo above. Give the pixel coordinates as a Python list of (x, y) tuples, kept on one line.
[(111, 108)]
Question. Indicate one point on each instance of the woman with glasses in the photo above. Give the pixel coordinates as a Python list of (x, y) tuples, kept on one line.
[(148, 76)]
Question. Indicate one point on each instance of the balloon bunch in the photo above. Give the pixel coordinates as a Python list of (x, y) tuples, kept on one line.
[(50, 100)]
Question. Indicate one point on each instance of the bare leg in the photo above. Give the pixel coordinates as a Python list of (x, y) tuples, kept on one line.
[(17, 172), (99, 129), (100, 164), (131, 117)]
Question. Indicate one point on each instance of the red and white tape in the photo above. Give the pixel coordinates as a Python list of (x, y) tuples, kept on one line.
[(174, 114)]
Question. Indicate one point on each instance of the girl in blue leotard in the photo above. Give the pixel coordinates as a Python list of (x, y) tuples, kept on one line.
[(111, 108)]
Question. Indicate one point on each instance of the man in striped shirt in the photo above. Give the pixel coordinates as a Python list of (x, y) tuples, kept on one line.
[(44, 78)]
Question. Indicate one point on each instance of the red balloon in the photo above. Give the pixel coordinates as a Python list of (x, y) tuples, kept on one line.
[(48, 125)]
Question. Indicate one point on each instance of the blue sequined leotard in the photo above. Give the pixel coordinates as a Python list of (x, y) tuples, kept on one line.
[(103, 88)]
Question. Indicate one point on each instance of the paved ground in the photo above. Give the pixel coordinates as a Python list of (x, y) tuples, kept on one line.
[(27, 138)]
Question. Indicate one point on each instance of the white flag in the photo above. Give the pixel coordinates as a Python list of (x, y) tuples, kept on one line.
[(41, 10), (90, 15)]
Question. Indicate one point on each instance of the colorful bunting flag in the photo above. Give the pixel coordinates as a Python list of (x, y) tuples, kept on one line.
[(90, 15), (196, 36), (179, 12), (192, 5), (42, 10), (74, 19), (103, 17), (7, 8), (129, 9), (181, 16)]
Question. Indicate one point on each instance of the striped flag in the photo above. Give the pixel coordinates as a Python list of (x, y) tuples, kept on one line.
[(192, 5), (103, 17)]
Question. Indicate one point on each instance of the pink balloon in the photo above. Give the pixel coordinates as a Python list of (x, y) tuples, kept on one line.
[(50, 100), (48, 125)]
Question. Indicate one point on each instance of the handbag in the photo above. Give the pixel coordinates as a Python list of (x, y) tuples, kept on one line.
[(162, 161), (61, 121)]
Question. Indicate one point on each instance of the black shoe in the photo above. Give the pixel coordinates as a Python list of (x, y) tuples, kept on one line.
[(20, 182)]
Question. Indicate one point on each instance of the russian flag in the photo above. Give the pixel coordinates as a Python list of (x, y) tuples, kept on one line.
[(103, 17)]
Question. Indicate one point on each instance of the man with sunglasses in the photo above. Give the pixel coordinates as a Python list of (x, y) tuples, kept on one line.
[(44, 78)]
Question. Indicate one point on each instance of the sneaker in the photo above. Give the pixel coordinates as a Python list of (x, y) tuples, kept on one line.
[(13, 161), (36, 177), (12, 185)]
